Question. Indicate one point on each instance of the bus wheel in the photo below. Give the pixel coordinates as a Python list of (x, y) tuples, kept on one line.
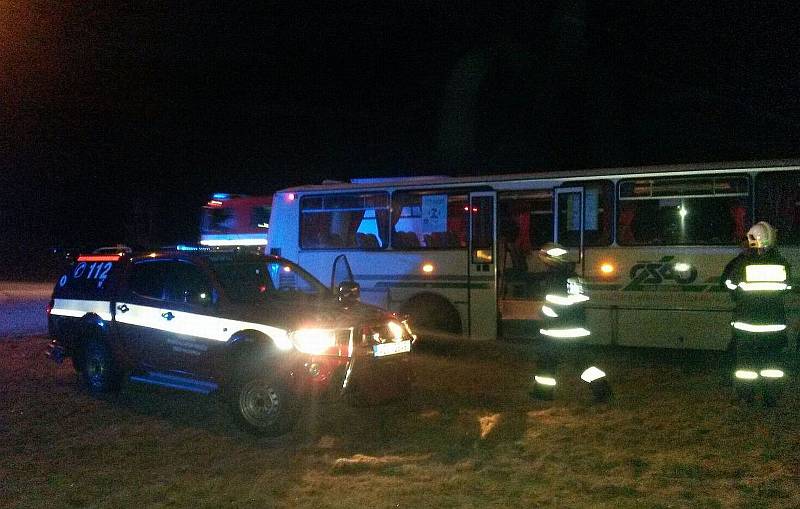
[(431, 316)]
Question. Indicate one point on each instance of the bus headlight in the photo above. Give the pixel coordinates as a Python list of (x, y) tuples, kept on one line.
[(313, 341)]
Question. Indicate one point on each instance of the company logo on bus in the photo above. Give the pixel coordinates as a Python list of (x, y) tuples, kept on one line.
[(661, 272)]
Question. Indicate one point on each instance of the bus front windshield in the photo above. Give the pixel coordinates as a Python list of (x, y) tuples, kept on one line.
[(247, 282)]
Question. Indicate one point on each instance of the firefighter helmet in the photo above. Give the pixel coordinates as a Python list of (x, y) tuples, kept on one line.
[(552, 254), (761, 236)]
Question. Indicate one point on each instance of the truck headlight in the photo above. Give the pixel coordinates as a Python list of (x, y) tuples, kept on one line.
[(396, 330), (313, 341)]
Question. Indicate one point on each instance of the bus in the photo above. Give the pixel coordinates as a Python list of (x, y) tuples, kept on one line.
[(458, 254), (235, 220)]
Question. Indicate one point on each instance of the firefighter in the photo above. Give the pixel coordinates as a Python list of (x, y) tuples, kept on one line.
[(563, 323), (757, 279)]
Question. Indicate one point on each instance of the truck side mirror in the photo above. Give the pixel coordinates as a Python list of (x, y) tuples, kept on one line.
[(348, 292)]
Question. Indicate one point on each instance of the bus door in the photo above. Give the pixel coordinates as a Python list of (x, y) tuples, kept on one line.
[(568, 226), (482, 266)]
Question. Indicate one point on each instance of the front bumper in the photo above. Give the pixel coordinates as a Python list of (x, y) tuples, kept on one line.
[(375, 379)]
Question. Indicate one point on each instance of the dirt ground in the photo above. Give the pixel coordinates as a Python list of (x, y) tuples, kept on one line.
[(466, 435)]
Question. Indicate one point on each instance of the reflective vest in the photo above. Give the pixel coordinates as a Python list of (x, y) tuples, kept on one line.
[(758, 283), (563, 314)]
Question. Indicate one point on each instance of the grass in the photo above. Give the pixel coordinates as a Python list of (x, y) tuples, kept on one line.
[(467, 435)]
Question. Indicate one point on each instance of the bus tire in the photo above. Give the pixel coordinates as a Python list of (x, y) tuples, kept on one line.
[(432, 316)]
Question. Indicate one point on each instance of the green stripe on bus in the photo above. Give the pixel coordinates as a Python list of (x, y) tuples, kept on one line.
[(405, 277), (410, 284)]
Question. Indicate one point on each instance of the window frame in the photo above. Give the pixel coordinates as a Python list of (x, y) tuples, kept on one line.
[(307, 197), (455, 191), (618, 200), (607, 189), (756, 205)]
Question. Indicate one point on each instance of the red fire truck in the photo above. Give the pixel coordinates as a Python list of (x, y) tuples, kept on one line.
[(235, 220)]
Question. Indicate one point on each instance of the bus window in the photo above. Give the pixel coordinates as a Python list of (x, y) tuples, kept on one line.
[(482, 229), (429, 220), (778, 203), (353, 221), (598, 207), (683, 211), (525, 223)]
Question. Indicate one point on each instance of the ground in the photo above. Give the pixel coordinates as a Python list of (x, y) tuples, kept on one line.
[(467, 435), (22, 308)]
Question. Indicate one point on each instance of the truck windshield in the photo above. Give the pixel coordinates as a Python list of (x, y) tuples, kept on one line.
[(254, 281)]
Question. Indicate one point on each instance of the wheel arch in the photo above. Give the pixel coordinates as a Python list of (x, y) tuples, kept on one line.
[(433, 300), (244, 345), (89, 326)]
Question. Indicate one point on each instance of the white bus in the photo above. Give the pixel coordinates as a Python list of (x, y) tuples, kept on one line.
[(459, 254)]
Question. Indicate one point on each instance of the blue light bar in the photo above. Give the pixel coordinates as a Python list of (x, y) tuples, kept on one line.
[(183, 247), (220, 196)]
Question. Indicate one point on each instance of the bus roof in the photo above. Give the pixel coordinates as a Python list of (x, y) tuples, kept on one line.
[(654, 170)]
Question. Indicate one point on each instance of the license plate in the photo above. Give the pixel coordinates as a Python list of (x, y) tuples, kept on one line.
[(391, 348)]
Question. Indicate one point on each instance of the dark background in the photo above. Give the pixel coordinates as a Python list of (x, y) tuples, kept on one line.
[(118, 120)]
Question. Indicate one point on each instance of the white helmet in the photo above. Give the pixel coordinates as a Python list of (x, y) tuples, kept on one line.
[(761, 236), (552, 254)]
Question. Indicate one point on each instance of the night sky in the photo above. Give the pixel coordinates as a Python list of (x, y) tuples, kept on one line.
[(116, 115)]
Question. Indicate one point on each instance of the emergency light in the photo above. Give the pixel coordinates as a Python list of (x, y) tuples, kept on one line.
[(99, 258)]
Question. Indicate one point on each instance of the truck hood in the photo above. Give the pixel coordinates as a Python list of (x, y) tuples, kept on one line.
[(293, 313)]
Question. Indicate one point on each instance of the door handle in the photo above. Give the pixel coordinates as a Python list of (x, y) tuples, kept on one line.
[(122, 308), (167, 316)]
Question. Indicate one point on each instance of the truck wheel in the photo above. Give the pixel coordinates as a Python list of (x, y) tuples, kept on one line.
[(77, 362), (99, 372), (264, 406)]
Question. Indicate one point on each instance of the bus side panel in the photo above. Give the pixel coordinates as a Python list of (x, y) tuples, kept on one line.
[(792, 255), (389, 278), (674, 329), (284, 234), (602, 323), (666, 296)]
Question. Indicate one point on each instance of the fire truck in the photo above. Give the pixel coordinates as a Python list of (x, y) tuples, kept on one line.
[(235, 220)]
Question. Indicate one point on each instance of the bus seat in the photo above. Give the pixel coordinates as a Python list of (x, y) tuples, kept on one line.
[(626, 216), (405, 240), (330, 240), (437, 239), (367, 241), (452, 239)]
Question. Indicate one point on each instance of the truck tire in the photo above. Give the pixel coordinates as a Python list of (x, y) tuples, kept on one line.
[(99, 371), (263, 405)]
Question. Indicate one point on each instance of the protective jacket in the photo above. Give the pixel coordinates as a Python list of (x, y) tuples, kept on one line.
[(758, 283), (563, 313)]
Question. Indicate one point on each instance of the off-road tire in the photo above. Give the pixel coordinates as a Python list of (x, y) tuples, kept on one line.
[(98, 369), (263, 405)]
